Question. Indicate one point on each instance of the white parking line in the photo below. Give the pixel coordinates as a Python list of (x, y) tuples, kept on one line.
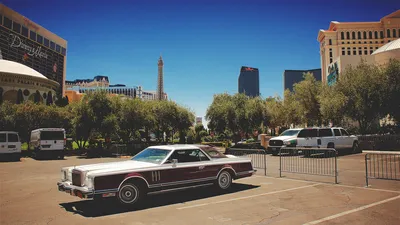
[(351, 211), (339, 185), (246, 197)]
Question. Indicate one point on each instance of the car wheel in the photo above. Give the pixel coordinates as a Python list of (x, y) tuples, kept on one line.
[(224, 180), (129, 193)]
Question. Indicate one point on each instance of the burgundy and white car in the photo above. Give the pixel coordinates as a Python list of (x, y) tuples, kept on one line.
[(155, 169)]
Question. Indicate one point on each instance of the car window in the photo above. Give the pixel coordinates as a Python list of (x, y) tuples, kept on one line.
[(303, 133), (290, 133), (52, 135), (337, 132), (184, 156), (325, 132), (344, 132), (313, 133), (3, 138), (12, 138)]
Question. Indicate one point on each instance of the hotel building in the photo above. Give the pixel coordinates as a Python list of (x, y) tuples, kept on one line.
[(348, 42), (28, 43)]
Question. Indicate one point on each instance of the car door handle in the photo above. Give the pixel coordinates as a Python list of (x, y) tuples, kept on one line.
[(201, 167)]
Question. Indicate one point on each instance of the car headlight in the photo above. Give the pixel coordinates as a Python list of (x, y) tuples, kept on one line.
[(290, 142), (89, 181)]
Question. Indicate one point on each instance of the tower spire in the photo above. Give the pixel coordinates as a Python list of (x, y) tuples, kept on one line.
[(160, 80)]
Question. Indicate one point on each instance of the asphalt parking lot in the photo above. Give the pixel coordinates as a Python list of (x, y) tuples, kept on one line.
[(28, 195)]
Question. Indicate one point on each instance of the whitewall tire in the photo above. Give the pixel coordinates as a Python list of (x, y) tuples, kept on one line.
[(224, 180)]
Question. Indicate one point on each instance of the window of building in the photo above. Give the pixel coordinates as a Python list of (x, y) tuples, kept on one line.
[(16, 27), (394, 33), (382, 42), (330, 52), (370, 42), (330, 60), (365, 34), (52, 45), (376, 34), (7, 22), (348, 35), (359, 35), (24, 31), (40, 39), (32, 35), (58, 48), (354, 51), (348, 51), (388, 33), (342, 35), (330, 41), (381, 34), (370, 35), (353, 35), (343, 51), (359, 51), (46, 42), (376, 47), (63, 51)]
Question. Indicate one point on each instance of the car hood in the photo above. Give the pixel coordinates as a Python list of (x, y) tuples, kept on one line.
[(99, 168), (282, 138)]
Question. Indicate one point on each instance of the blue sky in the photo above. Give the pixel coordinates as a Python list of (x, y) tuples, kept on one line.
[(203, 43)]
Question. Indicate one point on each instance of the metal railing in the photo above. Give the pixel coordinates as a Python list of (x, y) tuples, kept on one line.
[(258, 156), (313, 161), (384, 166)]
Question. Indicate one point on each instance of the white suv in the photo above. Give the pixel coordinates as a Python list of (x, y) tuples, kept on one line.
[(333, 137), (48, 141)]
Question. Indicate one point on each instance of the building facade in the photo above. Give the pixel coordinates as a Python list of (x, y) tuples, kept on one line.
[(291, 77), (28, 43), (249, 82), (355, 39), (97, 81)]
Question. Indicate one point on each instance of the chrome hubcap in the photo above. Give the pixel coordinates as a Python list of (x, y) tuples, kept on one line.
[(224, 180), (128, 194)]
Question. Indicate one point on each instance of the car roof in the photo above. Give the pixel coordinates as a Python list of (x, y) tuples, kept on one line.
[(10, 132), (175, 147)]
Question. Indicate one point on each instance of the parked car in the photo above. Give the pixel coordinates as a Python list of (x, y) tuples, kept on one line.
[(48, 141), (242, 147), (332, 137), (155, 169), (10, 145)]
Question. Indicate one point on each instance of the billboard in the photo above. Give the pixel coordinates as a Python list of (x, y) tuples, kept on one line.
[(333, 73), (18, 48)]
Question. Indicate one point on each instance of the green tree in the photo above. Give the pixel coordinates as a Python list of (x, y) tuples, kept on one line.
[(82, 123), (184, 120), (365, 93), (291, 113), (392, 87), (275, 110), (306, 94), (332, 105), (7, 116)]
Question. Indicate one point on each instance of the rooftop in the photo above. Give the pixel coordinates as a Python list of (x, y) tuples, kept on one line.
[(11, 67), (388, 47)]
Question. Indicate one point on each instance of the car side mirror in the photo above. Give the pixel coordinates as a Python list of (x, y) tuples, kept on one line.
[(174, 162)]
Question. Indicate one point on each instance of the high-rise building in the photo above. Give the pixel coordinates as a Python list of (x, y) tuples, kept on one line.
[(249, 81), (291, 77), (355, 39), (28, 43), (160, 80)]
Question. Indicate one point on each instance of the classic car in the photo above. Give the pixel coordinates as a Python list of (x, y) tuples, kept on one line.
[(155, 169)]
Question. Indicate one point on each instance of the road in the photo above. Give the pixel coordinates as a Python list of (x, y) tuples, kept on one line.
[(28, 195)]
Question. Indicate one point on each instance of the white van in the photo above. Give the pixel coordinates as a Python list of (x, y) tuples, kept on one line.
[(48, 141), (10, 144)]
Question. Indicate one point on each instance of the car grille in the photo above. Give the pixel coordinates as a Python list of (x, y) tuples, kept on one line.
[(76, 178), (275, 143)]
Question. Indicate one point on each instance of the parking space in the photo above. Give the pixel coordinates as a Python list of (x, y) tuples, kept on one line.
[(28, 195)]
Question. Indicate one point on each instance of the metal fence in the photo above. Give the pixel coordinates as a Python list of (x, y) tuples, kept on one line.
[(258, 156), (384, 166), (313, 161)]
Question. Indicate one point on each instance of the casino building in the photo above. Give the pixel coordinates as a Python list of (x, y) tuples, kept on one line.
[(28, 43)]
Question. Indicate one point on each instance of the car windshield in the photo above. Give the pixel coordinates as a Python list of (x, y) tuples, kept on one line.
[(290, 133), (152, 155)]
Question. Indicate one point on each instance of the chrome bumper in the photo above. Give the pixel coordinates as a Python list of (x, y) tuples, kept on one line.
[(81, 192)]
